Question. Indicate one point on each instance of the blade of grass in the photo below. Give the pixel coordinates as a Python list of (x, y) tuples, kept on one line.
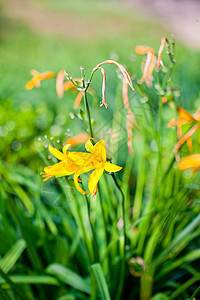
[(69, 277), (9, 260), (100, 281)]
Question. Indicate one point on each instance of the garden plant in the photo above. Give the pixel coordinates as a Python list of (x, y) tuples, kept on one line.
[(113, 210)]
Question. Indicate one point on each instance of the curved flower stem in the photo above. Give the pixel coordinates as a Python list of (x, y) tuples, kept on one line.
[(123, 243)]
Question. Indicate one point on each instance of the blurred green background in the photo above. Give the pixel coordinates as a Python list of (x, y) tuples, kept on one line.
[(48, 35)]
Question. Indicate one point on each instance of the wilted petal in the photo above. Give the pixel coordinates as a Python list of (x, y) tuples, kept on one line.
[(130, 122), (159, 61), (103, 88), (122, 69), (151, 67), (60, 83), (125, 94)]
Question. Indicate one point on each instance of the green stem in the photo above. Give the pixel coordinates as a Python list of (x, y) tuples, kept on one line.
[(122, 272), (93, 231), (159, 157), (108, 258), (87, 110), (140, 181)]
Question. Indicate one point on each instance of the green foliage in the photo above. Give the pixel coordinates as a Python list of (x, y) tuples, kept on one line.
[(50, 247)]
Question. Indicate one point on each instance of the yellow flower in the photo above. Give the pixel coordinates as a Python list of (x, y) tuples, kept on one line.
[(78, 163), (71, 163), (190, 162), (99, 162), (37, 77)]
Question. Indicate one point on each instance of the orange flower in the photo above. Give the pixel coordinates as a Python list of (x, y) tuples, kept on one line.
[(151, 61), (185, 118), (78, 139), (37, 77), (190, 162)]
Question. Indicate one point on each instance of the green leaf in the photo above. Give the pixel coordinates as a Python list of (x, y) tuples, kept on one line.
[(184, 286), (31, 279), (101, 283), (82, 114), (8, 261), (69, 277)]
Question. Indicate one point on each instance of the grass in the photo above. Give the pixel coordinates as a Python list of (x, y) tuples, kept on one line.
[(48, 230)]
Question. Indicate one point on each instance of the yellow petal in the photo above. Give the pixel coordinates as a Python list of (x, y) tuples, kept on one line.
[(77, 185), (190, 162), (89, 147), (30, 84), (66, 147), (93, 179), (58, 170), (57, 153), (80, 158), (111, 167), (100, 149)]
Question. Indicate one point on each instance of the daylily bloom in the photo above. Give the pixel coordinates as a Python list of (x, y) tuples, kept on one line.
[(37, 77), (185, 118), (151, 61), (78, 163), (71, 163), (190, 162), (99, 162)]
